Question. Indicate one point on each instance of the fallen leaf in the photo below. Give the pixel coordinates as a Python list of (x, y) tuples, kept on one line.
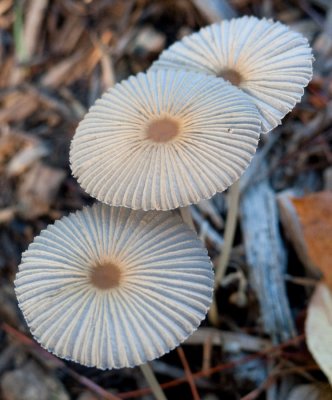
[(314, 212), (319, 328), (294, 232)]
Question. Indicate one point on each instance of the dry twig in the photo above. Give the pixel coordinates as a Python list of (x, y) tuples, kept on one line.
[(188, 373)]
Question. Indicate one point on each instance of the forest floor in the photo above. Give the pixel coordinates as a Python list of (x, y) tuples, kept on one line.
[(56, 58)]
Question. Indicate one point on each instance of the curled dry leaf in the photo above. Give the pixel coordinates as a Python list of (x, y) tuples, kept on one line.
[(315, 216), (319, 328)]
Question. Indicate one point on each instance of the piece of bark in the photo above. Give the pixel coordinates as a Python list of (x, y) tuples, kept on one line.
[(215, 10), (266, 257), (38, 190)]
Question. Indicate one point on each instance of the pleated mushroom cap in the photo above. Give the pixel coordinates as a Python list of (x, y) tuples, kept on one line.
[(265, 59), (111, 287), (164, 139)]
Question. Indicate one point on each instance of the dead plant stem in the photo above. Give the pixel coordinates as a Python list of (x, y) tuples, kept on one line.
[(220, 269)]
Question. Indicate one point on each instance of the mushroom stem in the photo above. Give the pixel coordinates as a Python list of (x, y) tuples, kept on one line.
[(187, 217), (152, 381), (220, 268)]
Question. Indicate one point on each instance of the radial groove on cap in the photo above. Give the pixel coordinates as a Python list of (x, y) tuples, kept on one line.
[(275, 63), (115, 161), (164, 291)]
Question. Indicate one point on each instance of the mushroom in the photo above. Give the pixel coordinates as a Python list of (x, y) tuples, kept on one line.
[(164, 139), (265, 59), (111, 287)]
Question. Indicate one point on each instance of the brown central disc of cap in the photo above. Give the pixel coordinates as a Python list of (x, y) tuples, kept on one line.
[(162, 130), (231, 75), (105, 276)]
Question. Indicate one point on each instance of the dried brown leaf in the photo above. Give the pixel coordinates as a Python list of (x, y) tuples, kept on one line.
[(315, 215), (294, 231), (17, 106)]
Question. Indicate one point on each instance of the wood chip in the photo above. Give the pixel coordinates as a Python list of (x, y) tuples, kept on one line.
[(17, 106), (33, 22), (25, 158), (38, 189), (215, 10)]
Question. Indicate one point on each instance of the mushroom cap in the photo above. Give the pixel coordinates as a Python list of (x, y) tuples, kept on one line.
[(164, 290), (164, 139), (274, 62)]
